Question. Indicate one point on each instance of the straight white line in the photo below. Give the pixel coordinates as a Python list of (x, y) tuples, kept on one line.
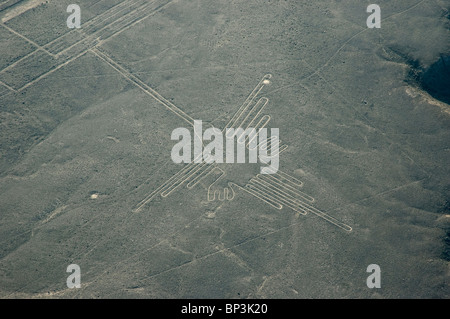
[(143, 86), (7, 86), (26, 39), (51, 71)]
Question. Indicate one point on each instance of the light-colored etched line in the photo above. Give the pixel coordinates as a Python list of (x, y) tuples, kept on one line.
[(119, 24), (204, 173), (57, 42), (110, 14), (263, 122), (299, 205), (279, 179), (40, 48), (181, 180), (93, 22), (19, 60), (291, 179), (197, 169), (263, 193), (149, 197), (26, 39), (248, 101), (319, 69), (264, 101), (323, 215), (288, 178), (15, 8), (259, 236), (286, 187), (144, 87), (51, 71), (225, 192), (7, 4), (211, 195), (228, 192), (170, 185), (7, 86), (196, 260), (269, 143), (281, 149), (265, 146), (269, 190), (327, 217), (258, 107), (89, 26), (93, 44), (130, 17), (269, 201), (156, 10), (175, 181)]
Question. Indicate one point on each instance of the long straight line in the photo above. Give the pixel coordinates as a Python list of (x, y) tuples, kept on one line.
[(7, 86), (26, 39), (51, 71), (144, 87)]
